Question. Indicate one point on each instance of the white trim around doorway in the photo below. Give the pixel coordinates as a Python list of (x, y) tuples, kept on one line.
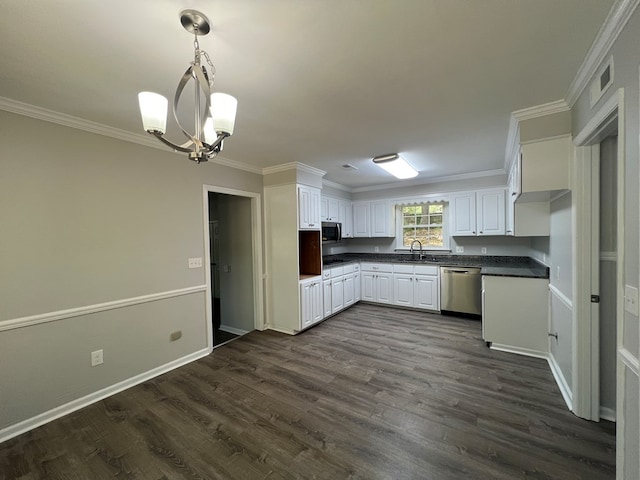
[(256, 242)]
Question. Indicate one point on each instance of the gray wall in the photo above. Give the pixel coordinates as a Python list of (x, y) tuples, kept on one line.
[(626, 56), (87, 219)]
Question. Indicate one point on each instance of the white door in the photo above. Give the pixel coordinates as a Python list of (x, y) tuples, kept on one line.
[(361, 219), (326, 297), (368, 291), (403, 289), (349, 290), (490, 212), (463, 214), (356, 287), (337, 294), (380, 216), (426, 292), (384, 284), (317, 309), (306, 308)]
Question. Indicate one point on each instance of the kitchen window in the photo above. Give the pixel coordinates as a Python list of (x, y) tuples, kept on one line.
[(424, 222)]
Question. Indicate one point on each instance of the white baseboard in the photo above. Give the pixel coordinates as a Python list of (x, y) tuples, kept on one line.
[(520, 351), (46, 417), (235, 331), (565, 390), (608, 414)]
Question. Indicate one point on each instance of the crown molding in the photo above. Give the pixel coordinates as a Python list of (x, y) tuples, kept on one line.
[(337, 186), (609, 31), (51, 116), (426, 181), (284, 167), (513, 137)]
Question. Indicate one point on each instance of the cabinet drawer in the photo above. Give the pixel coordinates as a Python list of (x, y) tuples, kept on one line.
[(337, 272), (347, 269), (426, 270), (377, 267), (403, 268)]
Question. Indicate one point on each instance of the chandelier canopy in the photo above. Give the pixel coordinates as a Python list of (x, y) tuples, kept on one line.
[(215, 113)]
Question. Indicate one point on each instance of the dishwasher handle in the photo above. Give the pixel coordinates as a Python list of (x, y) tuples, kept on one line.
[(469, 271)]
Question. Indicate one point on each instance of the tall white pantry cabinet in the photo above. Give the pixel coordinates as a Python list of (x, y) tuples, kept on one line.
[(293, 290)]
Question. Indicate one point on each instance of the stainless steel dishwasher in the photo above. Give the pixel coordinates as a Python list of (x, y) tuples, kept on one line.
[(461, 290)]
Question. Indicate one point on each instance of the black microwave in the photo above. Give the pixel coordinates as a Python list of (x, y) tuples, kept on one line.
[(331, 232)]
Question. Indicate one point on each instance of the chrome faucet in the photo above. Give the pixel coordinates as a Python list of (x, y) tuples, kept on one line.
[(411, 248)]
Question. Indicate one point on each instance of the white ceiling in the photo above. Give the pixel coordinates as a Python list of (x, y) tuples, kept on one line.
[(323, 83)]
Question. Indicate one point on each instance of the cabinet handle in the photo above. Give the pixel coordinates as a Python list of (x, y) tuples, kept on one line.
[(312, 224), (480, 233), (473, 232)]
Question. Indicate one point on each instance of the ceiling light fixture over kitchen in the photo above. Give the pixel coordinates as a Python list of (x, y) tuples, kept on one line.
[(214, 116), (395, 165)]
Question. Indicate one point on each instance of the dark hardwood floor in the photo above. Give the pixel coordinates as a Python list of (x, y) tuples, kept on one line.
[(372, 393)]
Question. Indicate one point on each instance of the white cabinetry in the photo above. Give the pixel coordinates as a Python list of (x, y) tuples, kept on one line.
[(346, 218), (478, 213), (308, 208), (544, 168), (540, 171), (339, 287), (330, 209), (311, 307), (326, 293), (373, 219), (416, 286), (377, 282), (515, 314)]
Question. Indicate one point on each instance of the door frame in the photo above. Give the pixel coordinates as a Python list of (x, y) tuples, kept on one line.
[(586, 393), (256, 251)]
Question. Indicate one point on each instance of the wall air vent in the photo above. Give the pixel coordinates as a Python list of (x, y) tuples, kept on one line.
[(348, 166), (602, 81)]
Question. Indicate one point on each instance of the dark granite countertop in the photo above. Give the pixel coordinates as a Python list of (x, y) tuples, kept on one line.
[(501, 266)]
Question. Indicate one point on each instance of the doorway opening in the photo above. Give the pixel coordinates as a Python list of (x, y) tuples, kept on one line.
[(233, 264)]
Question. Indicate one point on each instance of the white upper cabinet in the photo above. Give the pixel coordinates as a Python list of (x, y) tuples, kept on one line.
[(308, 208), (330, 209), (346, 218), (373, 219), (543, 168), (478, 213), (490, 217), (361, 213)]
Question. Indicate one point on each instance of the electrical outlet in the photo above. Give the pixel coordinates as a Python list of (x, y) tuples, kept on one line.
[(484, 249), (631, 299), (195, 262), (376, 249), (459, 249), (558, 272), (97, 358)]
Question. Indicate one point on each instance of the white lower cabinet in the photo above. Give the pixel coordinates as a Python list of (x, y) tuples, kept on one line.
[(416, 286), (311, 307), (377, 282), (515, 314), (341, 287), (337, 294)]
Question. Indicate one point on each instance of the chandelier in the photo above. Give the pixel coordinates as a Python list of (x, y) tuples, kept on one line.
[(215, 113)]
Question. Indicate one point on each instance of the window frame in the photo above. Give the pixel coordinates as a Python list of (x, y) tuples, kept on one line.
[(445, 227)]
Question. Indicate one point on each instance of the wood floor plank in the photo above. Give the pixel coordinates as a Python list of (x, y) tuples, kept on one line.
[(371, 393)]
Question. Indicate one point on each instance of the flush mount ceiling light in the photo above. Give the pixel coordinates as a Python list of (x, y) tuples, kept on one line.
[(395, 165), (214, 115)]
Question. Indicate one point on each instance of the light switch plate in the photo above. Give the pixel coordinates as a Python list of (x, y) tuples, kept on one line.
[(459, 249), (195, 262), (631, 299)]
